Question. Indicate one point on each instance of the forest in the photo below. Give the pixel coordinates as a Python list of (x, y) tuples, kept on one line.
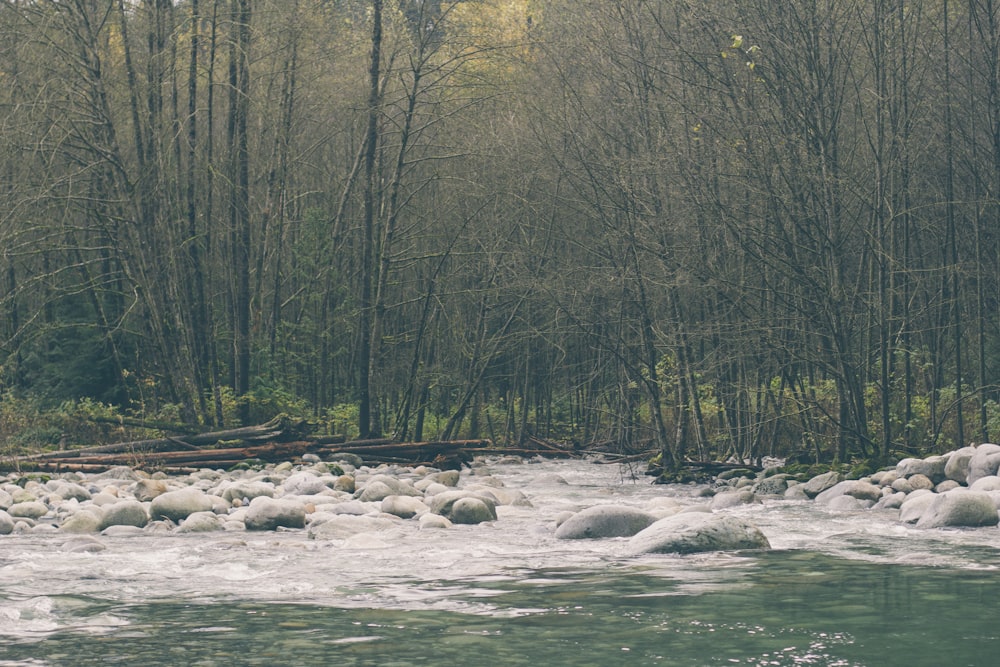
[(713, 230)]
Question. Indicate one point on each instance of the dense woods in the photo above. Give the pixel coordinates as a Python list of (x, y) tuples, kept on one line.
[(744, 227)]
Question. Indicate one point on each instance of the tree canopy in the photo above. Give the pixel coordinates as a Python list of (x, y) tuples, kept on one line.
[(760, 227)]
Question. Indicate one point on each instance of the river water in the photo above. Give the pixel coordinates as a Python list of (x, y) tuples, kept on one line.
[(837, 589)]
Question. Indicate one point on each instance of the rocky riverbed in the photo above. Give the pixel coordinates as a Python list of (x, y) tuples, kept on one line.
[(342, 499)]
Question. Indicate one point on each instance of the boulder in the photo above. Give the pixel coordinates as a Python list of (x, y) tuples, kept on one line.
[(820, 483), (344, 526), (920, 481), (846, 503), (405, 507), (957, 467), (32, 509), (178, 505), (960, 508), (125, 513), (695, 532), (83, 521), (6, 523), (726, 499), (305, 484), (857, 489), (247, 490), (265, 513), (915, 505), (901, 485), (984, 463), (431, 521), (932, 467), (472, 510), (892, 501), (201, 522), (796, 493), (986, 484), (775, 485), (948, 485), (604, 521), (442, 503), (146, 489)]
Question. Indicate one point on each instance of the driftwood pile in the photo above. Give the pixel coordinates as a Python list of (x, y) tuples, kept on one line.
[(281, 439)]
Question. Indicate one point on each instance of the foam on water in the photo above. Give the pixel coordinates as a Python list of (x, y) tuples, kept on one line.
[(404, 567)]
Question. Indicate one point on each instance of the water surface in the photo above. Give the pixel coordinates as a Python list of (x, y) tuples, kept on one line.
[(838, 589)]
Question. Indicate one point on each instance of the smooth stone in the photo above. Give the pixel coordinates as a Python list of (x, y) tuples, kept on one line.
[(984, 463), (265, 513), (6, 523), (932, 467), (821, 483), (70, 491), (902, 484), (446, 477), (915, 505), (430, 521), (178, 505), (345, 483), (83, 521), (305, 484), (885, 477), (775, 485), (732, 499), (604, 521), (442, 503), (563, 517), (201, 522), (686, 533), (960, 508), (892, 501), (33, 509), (854, 488), (104, 499), (125, 513), (344, 526), (503, 496), (471, 510), (376, 491), (948, 485), (145, 490), (845, 503), (83, 544), (796, 493), (986, 484), (405, 507), (6, 500), (355, 507), (957, 467), (247, 490), (920, 481)]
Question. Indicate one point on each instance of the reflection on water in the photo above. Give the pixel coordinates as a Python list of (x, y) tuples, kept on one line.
[(839, 589)]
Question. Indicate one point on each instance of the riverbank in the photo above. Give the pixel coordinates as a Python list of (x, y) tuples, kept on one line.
[(344, 498)]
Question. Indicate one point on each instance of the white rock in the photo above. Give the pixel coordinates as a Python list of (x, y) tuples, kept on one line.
[(265, 513), (984, 462), (604, 521), (698, 532), (960, 508)]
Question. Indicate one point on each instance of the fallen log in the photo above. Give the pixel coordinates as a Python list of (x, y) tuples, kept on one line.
[(280, 429)]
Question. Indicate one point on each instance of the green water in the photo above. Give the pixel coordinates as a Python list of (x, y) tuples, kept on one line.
[(776, 608)]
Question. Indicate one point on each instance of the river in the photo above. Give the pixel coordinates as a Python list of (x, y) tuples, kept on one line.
[(837, 589)]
